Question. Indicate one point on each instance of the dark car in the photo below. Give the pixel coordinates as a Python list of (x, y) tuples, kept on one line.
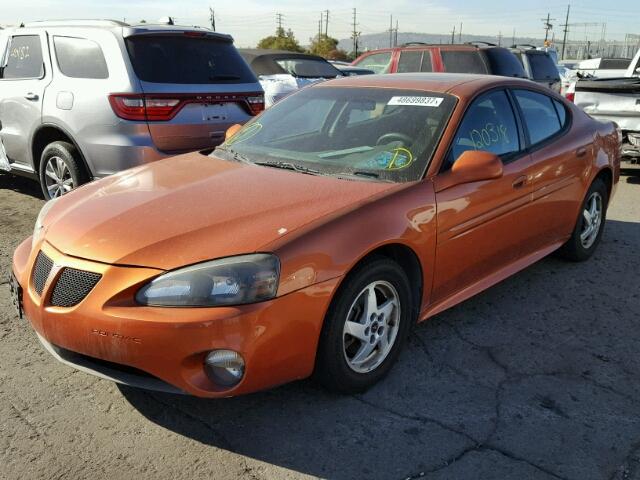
[(482, 58), (282, 72), (538, 65)]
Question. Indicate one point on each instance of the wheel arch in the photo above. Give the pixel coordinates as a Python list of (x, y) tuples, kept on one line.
[(606, 175), (403, 255), (48, 133)]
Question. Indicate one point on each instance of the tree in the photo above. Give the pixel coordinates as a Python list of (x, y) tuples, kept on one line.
[(327, 47), (282, 40)]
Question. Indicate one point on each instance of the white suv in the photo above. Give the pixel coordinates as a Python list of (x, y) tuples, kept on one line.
[(84, 99)]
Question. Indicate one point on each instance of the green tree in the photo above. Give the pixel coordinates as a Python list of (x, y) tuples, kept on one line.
[(282, 40), (327, 47)]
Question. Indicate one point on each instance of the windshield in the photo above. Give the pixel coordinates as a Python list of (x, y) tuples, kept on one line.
[(308, 68), (373, 133)]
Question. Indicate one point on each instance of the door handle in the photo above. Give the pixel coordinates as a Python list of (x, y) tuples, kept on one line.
[(31, 96), (581, 152), (519, 182)]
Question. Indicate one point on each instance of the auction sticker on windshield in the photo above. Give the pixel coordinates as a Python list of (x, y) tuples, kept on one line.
[(418, 101)]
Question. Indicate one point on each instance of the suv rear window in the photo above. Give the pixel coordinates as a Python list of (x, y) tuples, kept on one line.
[(503, 62), (542, 67), (187, 60), (80, 58), (460, 61)]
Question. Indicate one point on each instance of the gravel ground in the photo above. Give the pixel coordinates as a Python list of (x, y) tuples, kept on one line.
[(537, 378)]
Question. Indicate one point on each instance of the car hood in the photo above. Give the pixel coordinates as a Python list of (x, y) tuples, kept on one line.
[(192, 208)]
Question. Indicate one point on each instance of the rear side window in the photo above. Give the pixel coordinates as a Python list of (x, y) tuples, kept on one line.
[(542, 67), (562, 112), (503, 62), (540, 115), (377, 62), (24, 59), (414, 61), (187, 60), (460, 61), (488, 125), (80, 58)]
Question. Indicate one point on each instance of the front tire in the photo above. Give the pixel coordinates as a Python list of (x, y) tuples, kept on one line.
[(590, 225), (365, 327), (61, 170)]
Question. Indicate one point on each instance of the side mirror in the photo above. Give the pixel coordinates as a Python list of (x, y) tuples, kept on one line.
[(231, 131), (471, 166)]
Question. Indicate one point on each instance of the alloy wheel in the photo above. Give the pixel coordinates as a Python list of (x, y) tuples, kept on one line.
[(371, 327), (58, 177), (592, 215)]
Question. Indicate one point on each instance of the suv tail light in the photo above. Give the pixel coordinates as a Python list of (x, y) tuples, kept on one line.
[(158, 108), (571, 96)]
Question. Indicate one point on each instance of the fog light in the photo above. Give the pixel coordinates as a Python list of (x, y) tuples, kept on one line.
[(224, 367)]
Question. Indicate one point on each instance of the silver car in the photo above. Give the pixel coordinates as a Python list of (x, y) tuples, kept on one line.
[(84, 99)]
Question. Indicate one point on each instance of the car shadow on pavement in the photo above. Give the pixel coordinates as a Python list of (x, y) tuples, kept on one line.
[(19, 184), (534, 378)]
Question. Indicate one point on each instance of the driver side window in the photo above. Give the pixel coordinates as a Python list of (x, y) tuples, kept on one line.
[(489, 125)]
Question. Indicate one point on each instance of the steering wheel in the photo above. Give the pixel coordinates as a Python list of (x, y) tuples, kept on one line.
[(394, 136)]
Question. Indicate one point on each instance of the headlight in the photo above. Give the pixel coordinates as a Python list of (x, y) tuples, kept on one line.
[(228, 281), (39, 226)]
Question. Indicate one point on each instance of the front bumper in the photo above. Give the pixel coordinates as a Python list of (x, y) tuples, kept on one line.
[(109, 335)]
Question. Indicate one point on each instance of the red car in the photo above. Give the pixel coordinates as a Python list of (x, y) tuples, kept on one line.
[(421, 57)]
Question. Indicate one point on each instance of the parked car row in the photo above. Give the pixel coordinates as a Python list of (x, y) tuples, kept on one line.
[(479, 58)]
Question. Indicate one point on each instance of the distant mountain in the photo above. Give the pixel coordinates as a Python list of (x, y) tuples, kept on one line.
[(374, 41)]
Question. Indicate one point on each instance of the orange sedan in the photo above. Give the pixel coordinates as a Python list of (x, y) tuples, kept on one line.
[(315, 237)]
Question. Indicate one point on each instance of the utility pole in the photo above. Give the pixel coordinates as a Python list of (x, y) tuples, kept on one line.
[(355, 34), (513, 39), (391, 31), (500, 38), (320, 26), (453, 35), (212, 19), (566, 30), (547, 26), (279, 17), (460, 34), (326, 23), (395, 39)]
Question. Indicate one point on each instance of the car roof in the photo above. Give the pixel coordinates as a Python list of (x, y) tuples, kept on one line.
[(459, 84), (126, 29)]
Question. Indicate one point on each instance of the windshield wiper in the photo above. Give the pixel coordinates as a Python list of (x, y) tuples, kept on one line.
[(235, 155), (224, 76), (290, 166)]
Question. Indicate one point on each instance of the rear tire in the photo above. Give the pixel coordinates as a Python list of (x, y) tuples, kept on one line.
[(375, 304), (61, 169), (589, 226)]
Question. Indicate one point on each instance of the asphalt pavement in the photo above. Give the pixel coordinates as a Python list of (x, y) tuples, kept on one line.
[(536, 378)]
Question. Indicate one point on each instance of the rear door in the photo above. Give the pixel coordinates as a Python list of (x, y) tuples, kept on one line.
[(482, 225), (204, 76), (24, 76), (463, 61)]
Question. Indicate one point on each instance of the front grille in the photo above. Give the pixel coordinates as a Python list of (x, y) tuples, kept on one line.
[(72, 286), (41, 272)]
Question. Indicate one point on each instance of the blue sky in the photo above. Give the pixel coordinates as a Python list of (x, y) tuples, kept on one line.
[(250, 20)]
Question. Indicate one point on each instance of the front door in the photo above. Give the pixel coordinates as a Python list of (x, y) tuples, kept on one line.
[(24, 75), (482, 225)]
